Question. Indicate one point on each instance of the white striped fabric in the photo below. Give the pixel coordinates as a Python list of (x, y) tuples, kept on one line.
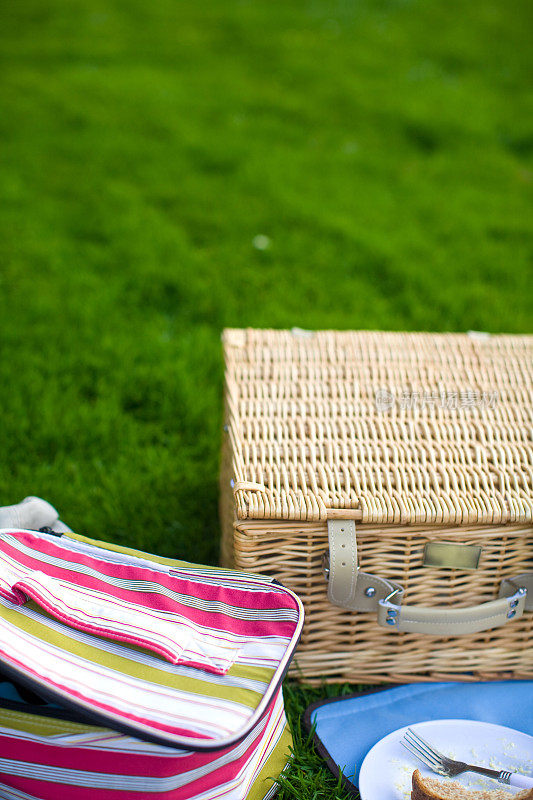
[(173, 673)]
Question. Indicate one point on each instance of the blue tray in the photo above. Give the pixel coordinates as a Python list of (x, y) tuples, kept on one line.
[(345, 728)]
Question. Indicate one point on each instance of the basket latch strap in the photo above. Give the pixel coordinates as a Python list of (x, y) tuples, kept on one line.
[(348, 586)]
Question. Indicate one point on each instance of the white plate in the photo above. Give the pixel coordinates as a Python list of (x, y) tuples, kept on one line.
[(388, 767)]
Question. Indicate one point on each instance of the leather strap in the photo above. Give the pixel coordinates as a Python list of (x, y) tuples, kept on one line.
[(510, 585), (350, 588), (343, 567)]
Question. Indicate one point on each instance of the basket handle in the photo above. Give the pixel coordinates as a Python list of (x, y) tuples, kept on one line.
[(350, 588), (446, 621)]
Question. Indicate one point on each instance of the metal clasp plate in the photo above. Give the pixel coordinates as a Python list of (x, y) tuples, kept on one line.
[(449, 555)]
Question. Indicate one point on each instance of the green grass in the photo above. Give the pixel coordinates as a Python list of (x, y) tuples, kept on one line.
[(384, 148), (308, 778)]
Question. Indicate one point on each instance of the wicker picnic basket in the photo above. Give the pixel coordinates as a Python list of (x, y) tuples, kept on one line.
[(387, 479)]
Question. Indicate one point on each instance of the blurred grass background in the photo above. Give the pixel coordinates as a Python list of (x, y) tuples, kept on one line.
[(171, 168)]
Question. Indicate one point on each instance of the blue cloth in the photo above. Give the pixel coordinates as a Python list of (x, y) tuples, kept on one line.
[(350, 726), (8, 691)]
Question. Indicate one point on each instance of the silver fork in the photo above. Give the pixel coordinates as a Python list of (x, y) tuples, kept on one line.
[(449, 767)]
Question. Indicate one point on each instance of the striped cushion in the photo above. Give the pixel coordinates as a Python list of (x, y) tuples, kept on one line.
[(176, 667)]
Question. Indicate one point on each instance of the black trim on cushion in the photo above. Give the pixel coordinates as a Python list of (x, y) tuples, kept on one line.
[(320, 747)]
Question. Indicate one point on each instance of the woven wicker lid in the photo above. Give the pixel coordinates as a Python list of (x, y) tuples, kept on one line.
[(382, 427)]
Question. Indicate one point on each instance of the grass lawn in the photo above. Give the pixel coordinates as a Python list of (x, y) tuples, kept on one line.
[(170, 168)]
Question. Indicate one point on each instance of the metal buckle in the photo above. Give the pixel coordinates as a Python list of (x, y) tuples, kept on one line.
[(394, 591)]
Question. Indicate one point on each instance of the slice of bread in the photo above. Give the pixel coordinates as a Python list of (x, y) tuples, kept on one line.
[(432, 789)]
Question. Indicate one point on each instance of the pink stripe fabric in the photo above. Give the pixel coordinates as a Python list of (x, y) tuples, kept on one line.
[(192, 621), (189, 658), (108, 708), (212, 594), (86, 773)]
